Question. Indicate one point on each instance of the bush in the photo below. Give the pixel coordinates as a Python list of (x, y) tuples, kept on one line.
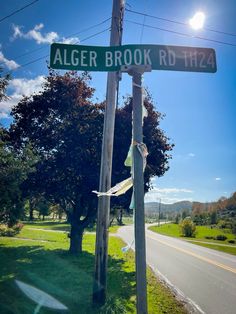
[(220, 237), (188, 227), (6, 231), (231, 241), (221, 224), (18, 227), (209, 237)]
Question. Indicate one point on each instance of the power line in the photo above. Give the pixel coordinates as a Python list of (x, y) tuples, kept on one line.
[(77, 33), (178, 22), (182, 34), (21, 9), (108, 28), (46, 56)]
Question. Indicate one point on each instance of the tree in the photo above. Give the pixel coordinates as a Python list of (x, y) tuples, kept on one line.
[(213, 218), (14, 169), (43, 207), (177, 218), (65, 128), (185, 213), (155, 139), (4, 81), (57, 211), (187, 227)]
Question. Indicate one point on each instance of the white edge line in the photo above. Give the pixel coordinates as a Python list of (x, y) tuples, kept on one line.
[(188, 303)]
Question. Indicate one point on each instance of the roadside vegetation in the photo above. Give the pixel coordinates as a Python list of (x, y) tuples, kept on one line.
[(40, 258), (208, 236), (212, 225)]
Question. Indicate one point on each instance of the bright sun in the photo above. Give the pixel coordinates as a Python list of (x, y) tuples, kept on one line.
[(197, 21)]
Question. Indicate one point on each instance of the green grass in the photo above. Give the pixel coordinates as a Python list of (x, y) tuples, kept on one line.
[(61, 226), (50, 225), (49, 267), (215, 246), (171, 230), (202, 232)]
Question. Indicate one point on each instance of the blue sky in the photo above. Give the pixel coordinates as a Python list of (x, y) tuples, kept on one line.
[(200, 108)]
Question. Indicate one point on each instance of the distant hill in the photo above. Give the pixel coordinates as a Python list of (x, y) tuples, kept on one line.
[(154, 206)]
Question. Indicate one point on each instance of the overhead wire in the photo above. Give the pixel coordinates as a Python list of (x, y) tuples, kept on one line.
[(68, 36), (182, 34), (129, 21), (17, 11), (45, 56), (178, 22)]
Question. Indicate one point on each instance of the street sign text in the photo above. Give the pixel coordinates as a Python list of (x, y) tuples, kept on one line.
[(159, 57)]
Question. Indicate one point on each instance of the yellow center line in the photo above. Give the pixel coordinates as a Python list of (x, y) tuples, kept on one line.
[(205, 259)]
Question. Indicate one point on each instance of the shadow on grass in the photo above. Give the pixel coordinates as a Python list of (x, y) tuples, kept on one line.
[(52, 225), (67, 278)]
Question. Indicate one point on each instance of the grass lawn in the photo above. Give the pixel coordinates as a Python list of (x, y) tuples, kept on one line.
[(202, 232), (40, 258), (60, 226)]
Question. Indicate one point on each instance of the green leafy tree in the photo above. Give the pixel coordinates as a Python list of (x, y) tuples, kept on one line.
[(57, 211), (155, 139), (213, 218), (4, 81), (187, 227), (177, 218), (42, 206), (65, 127), (184, 214), (14, 169)]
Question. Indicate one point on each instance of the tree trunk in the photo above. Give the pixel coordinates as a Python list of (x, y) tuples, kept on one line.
[(119, 217), (31, 210), (76, 237)]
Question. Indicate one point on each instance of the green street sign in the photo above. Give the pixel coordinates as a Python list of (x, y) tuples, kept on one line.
[(158, 57)]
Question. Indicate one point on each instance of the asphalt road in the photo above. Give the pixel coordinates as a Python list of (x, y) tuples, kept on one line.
[(205, 278)]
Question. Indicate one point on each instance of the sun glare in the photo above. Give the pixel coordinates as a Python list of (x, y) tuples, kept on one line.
[(197, 21)]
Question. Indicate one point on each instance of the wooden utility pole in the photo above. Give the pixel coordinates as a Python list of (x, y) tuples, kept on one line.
[(101, 255)]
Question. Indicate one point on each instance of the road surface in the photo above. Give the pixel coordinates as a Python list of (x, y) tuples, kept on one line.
[(205, 277)]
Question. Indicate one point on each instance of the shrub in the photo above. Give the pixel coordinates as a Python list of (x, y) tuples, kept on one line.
[(231, 241), (3, 229), (18, 227), (221, 224), (6, 231), (209, 237), (188, 227), (220, 237)]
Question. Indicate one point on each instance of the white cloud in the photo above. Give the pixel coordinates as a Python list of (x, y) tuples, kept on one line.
[(218, 179), (35, 34), (71, 40), (168, 195), (191, 155), (19, 88), (10, 64), (27, 87)]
